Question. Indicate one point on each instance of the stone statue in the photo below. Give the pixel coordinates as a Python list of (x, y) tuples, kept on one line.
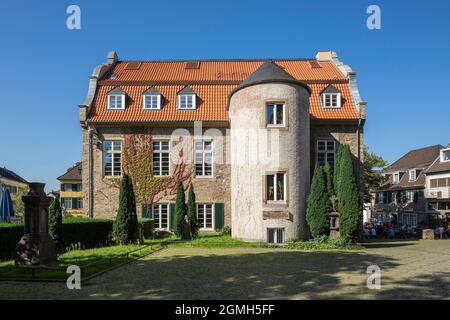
[(334, 218), (334, 200), (186, 231)]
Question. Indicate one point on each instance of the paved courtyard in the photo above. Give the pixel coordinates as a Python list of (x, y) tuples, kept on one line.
[(410, 270)]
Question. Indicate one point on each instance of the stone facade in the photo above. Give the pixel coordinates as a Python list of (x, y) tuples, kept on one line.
[(207, 189)]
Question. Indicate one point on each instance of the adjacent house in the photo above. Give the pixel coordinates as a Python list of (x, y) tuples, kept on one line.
[(402, 199), (11, 181), (245, 133), (437, 185), (71, 191)]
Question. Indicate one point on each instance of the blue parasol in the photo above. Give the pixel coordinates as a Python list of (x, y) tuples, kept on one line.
[(6, 206)]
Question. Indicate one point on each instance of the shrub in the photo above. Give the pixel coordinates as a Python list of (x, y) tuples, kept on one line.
[(322, 243), (318, 205), (329, 178), (192, 212), (146, 227), (125, 225), (180, 209), (55, 224), (349, 204), (226, 231)]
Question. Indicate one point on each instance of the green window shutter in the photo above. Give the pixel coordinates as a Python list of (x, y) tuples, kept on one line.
[(172, 215), (416, 196), (218, 216), (144, 212)]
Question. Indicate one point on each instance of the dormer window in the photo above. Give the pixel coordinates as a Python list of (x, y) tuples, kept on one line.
[(116, 99), (151, 99), (445, 155), (187, 99), (412, 175), (396, 177), (331, 97)]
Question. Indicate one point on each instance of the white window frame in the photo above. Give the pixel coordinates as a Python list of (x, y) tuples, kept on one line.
[(412, 175), (412, 217), (151, 96), (275, 235), (160, 152), (275, 196), (204, 215), (186, 96), (331, 105), (410, 195), (203, 152), (159, 205), (394, 180), (112, 152), (443, 152), (381, 198), (275, 124), (116, 96), (326, 150)]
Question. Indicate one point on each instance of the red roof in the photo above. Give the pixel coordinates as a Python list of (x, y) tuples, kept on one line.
[(212, 81)]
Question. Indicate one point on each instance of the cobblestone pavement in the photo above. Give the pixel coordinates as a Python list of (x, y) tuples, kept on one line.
[(409, 270)]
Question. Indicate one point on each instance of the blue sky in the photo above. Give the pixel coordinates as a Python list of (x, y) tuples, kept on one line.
[(403, 69)]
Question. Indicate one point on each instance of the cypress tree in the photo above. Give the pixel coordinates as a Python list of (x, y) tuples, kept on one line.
[(318, 205), (192, 212), (180, 209), (55, 224), (329, 179), (337, 164), (125, 225), (349, 204)]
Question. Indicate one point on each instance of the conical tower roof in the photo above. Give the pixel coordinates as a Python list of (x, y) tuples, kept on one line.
[(268, 72)]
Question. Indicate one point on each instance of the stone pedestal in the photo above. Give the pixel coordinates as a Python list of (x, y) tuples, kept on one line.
[(334, 225), (36, 247), (428, 234)]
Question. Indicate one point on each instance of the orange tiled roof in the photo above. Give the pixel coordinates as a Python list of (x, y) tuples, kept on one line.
[(212, 81)]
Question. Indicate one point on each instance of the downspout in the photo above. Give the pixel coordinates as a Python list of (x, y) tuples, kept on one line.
[(91, 174)]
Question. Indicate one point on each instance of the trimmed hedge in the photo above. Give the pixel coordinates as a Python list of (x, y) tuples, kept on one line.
[(84, 233), (10, 234)]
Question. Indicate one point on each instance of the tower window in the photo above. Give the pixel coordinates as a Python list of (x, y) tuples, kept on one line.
[(275, 114)]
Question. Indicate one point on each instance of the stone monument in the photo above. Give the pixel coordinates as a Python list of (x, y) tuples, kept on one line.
[(334, 219), (36, 247)]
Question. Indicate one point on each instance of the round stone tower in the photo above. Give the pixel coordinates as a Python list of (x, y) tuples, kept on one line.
[(270, 156)]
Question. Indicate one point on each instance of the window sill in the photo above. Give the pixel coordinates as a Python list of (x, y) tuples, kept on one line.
[(274, 126), (205, 177), (276, 204)]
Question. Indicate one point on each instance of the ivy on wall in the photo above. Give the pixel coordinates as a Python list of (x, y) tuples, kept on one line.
[(137, 163)]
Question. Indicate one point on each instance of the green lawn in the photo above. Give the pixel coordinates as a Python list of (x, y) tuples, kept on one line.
[(93, 261)]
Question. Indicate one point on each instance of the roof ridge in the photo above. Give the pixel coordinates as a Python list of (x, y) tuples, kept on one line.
[(435, 145), (222, 60)]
